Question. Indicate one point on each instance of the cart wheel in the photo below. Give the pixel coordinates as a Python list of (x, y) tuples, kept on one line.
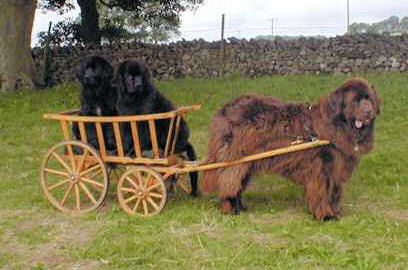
[(74, 183), (141, 191)]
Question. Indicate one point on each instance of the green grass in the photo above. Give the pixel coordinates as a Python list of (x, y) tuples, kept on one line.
[(276, 233)]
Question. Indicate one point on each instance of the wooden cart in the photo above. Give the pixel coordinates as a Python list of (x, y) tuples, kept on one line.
[(78, 183)]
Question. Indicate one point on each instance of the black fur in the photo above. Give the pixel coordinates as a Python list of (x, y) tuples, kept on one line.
[(98, 98), (137, 95)]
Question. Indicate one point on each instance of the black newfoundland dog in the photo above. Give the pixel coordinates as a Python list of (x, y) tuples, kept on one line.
[(137, 95), (98, 98)]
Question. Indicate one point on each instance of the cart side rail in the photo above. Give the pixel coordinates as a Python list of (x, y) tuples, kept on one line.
[(72, 116), (159, 156)]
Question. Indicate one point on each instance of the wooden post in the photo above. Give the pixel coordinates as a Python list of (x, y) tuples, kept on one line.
[(348, 17), (47, 58), (222, 45), (82, 131), (169, 136), (135, 138), (153, 138), (118, 138), (173, 147), (101, 139)]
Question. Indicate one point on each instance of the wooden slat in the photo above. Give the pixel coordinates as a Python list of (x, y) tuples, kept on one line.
[(153, 138), (66, 134), (118, 139), (82, 131), (101, 139), (123, 160), (175, 134), (169, 136), (135, 138), (135, 161), (65, 131)]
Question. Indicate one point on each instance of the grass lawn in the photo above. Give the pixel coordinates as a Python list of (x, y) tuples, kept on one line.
[(276, 233)]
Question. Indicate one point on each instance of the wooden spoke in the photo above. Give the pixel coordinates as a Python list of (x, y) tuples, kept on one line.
[(155, 206), (71, 156), (146, 211), (89, 186), (153, 187), (146, 184), (95, 174), (62, 162), (155, 195), (82, 160), (128, 200), (66, 194), (130, 190), (91, 169), (132, 182), (77, 197), (56, 172), (93, 182), (136, 205), (58, 184), (139, 177), (88, 193)]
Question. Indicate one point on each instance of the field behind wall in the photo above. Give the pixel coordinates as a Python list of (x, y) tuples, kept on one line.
[(277, 232)]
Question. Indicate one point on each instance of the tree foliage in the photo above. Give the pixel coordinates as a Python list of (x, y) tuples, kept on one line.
[(64, 33), (392, 25), (161, 18)]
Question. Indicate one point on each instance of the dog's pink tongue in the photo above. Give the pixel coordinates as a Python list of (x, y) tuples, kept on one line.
[(358, 124)]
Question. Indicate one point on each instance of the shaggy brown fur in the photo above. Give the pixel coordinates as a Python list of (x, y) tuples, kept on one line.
[(253, 123)]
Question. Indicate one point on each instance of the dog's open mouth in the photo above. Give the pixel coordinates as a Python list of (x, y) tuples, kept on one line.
[(360, 124)]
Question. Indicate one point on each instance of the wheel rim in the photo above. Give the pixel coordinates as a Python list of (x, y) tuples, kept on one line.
[(141, 191), (77, 183)]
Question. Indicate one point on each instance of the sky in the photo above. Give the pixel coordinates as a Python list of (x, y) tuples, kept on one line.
[(250, 18)]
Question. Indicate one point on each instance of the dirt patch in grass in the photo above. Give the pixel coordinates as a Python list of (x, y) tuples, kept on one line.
[(397, 214), (39, 240)]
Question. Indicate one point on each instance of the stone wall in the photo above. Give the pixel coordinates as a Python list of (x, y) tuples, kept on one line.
[(342, 54)]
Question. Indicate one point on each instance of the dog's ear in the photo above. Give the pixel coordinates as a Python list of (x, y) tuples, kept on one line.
[(335, 103)]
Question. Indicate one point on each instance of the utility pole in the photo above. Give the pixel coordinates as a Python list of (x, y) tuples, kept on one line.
[(222, 44), (271, 19), (348, 17)]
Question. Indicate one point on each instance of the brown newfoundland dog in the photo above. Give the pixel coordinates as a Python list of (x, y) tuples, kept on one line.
[(253, 123)]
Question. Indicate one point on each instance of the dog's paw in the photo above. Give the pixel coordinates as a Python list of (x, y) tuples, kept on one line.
[(226, 207), (324, 212)]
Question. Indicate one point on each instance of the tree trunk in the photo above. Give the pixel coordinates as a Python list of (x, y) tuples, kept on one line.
[(89, 21), (16, 62)]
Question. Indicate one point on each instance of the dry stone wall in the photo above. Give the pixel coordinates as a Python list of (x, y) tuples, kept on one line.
[(342, 54)]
